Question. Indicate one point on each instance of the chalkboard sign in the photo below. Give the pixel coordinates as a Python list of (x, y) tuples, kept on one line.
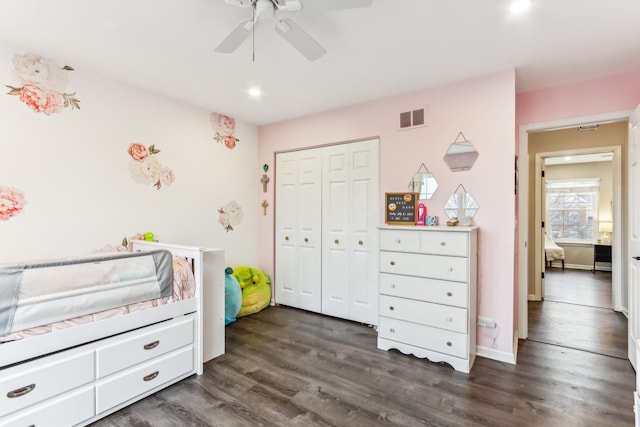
[(401, 208)]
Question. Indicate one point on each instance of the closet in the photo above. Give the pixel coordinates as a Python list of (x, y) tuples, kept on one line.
[(326, 244)]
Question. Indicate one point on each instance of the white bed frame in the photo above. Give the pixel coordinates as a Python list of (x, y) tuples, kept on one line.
[(78, 375)]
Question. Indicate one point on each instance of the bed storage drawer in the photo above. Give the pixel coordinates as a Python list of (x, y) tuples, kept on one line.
[(125, 385), (33, 382), (67, 410), (140, 346)]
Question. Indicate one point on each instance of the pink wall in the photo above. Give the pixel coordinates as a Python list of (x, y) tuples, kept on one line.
[(604, 95), (484, 110)]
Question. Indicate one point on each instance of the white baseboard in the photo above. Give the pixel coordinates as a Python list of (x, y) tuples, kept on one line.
[(500, 356)]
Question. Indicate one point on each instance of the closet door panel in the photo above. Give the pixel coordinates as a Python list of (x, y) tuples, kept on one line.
[(364, 208), (298, 224), (335, 228)]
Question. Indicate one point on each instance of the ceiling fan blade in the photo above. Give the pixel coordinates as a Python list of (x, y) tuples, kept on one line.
[(239, 3), (325, 5), (298, 38), (235, 38)]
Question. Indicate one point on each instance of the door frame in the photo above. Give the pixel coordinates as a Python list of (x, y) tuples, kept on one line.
[(616, 173), (523, 204)]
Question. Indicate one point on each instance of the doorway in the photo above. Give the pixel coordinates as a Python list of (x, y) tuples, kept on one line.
[(530, 247)]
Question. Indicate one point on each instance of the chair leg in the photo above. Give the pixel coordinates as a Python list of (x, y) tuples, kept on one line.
[(562, 265)]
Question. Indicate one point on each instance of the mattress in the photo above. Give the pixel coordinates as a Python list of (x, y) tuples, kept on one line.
[(66, 293)]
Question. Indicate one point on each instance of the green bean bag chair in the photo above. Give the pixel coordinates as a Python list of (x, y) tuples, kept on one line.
[(256, 289)]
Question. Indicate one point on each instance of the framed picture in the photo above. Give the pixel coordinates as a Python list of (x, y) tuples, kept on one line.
[(401, 208)]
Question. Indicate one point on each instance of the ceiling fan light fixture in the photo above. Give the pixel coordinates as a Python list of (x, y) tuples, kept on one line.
[(254, 92), (264, 9), (520, 6)]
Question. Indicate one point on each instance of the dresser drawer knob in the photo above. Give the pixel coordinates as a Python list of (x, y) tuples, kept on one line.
[(306, 240), (392, 286), (393, 331), (391, 308), (360, 242), (286, 237), (443, 243), (449, 344), (336, 241), (151, 345), (449, 294), (450, 268), (449, 319), (398, 241), (151, 376), (21, 391), (392, 263)]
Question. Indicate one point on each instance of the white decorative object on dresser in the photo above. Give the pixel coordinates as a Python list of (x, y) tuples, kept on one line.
[(428, 293)]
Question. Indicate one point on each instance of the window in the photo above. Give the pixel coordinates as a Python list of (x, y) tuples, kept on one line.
[(572, 209)]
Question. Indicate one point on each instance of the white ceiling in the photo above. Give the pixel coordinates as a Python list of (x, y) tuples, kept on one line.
[(393, 47)]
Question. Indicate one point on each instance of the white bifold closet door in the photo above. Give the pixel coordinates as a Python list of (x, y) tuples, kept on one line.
[(298, 272), (329, 196)]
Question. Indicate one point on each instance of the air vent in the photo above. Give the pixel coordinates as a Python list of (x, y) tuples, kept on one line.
[(413, 118)]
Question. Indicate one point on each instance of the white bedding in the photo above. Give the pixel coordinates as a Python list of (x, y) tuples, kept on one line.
[(129, 285), (552, 250)]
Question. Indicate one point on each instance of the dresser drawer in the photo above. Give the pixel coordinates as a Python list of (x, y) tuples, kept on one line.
[(125, 385), (430, 290), (28, 383), (67, 410), (399, 240), (445, 243), (432, 266), (144, 344), (426, 337), (425, 313)]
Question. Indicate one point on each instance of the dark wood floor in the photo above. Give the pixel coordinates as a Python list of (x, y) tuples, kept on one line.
[(286, 367), (576, 313)]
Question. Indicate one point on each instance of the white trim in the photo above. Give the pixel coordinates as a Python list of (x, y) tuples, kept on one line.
[(523, 201), (493, 354)]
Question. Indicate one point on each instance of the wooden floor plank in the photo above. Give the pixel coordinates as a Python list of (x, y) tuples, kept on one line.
[(288, 367)]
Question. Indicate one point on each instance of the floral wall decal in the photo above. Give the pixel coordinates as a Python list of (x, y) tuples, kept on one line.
[(224, 127), (145, 169), (43, 84), (11, 202), (230, 215)]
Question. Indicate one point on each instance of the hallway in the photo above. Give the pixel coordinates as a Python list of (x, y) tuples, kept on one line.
[(576, 313)]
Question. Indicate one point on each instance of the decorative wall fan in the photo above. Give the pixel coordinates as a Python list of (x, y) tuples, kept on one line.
[(264, 10)]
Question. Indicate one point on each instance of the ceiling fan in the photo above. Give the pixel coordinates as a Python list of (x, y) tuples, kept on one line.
[(264, 10)]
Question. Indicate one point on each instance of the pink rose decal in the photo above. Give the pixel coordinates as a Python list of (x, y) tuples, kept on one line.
[(224, 128), (11, 202), (230, 215), (230, 142), (40, 100), (138, 152), (146, 169), (43, 84), (224, 125)]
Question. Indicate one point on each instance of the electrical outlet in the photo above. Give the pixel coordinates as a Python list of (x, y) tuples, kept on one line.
[(486, 322)]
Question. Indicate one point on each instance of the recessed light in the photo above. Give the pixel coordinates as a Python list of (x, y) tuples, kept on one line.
[(254, 92), (519, 6)]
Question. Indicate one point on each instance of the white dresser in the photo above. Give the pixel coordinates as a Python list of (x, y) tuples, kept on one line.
[(428, 279)]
